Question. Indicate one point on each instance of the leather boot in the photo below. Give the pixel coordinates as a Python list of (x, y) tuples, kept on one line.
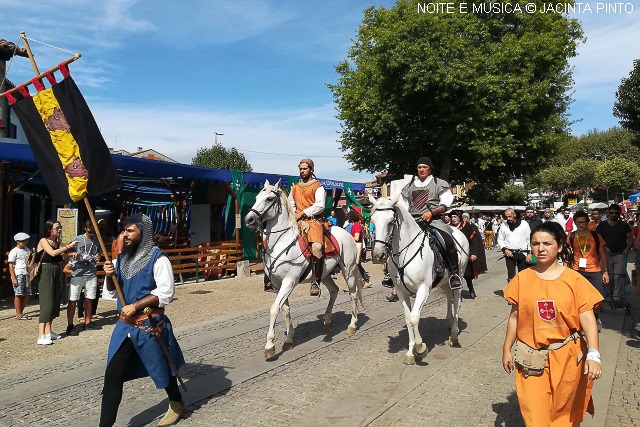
[(318, 264), (173, 414), (454, 274)]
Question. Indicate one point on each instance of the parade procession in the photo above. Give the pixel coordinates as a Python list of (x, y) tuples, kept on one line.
[(431, 212)]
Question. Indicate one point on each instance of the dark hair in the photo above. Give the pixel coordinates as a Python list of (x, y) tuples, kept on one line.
[(580, 214), (615, 207), (559, 236), (48, 226), (353, 215), (88, 224), (596, 210), (529, 208)]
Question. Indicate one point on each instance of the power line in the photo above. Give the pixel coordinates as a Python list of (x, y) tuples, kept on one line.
[(288, 155)]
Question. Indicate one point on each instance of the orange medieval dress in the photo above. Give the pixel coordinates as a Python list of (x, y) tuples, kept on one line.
[(304, 195), (548, 312)]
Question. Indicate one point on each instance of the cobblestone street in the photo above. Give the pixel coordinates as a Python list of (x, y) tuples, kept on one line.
[(326, 379)]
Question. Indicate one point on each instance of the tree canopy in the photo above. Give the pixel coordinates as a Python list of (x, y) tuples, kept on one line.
[(627, 106), (597, 159), (220, 157), (483, 94)]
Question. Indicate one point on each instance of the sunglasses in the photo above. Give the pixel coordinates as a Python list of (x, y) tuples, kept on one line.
[(58, 227)]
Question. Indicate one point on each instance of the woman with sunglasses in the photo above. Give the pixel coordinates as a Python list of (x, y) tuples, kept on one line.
[(50, 253)]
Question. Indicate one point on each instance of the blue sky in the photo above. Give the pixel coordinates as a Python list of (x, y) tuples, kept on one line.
[(167, 75)]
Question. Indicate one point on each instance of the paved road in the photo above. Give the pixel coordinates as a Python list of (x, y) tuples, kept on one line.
[(329, 379)]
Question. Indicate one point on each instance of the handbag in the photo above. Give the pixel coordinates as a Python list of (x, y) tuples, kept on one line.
[(34, 266)]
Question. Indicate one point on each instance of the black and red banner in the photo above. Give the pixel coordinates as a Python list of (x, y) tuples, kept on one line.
[(65, 140)]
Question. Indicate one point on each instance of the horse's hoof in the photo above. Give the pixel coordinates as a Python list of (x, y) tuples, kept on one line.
[(286, 346), (269, 352), (421, 355), (327, 326), (351, 330), (454, 343), (409, 360)]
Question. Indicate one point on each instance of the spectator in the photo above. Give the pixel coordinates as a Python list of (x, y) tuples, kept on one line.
[(488, 235), (550, 306), (51, 279), (596, 218), (513, 240), (83, 276), (496, 222), (332, 218), (564, 219), (477, 261), (588, 255), (356, 231), (619, 240), (19, 277), (480, 223), (530, 217), (547, 215)]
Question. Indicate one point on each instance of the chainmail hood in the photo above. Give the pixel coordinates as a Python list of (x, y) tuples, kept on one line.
[(131, 264)]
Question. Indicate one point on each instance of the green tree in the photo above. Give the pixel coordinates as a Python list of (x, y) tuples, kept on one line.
[(627, 106), (618, 175), (222, 158), (508, 194), (483, 94)]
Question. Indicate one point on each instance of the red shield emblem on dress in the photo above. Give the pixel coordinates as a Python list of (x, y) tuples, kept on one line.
[(547, 310)]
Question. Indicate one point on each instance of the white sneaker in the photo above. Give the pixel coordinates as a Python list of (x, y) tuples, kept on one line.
[(599, 323), (637, 327), (44, 340), (53, 336)]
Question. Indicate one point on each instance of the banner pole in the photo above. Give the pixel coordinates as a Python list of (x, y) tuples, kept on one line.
[(23, 36), (104, 250)]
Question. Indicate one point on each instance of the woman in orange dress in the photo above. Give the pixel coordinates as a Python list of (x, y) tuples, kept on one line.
[(550, 303)]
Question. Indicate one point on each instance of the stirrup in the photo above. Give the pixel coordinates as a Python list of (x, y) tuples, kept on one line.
[(315, 290), (451, 276)]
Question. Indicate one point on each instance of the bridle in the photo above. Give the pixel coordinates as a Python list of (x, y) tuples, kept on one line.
[(395, 223), (269, 206)]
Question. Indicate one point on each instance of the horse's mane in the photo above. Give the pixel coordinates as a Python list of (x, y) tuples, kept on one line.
[(286, 207)]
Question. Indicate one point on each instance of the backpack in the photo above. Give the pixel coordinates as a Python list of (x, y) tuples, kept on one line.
[(595, 234), (34, 263)]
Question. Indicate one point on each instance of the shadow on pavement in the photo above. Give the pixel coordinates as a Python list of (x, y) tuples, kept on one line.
[(217, 384), (436, 333), (508, 413)]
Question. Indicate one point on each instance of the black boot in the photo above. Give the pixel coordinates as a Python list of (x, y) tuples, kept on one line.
[(318, 264), (454, 273)]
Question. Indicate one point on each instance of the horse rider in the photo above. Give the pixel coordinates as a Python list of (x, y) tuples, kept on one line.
[(427, 198), (307, 200)]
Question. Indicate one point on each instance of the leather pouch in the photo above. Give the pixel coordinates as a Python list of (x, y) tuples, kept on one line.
[(530, 360)]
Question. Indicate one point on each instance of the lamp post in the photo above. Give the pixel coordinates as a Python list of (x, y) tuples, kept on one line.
[(599, 157), (216, 135)]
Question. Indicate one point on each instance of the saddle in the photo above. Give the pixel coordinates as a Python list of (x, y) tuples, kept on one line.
[(330, 245), (438, 246)]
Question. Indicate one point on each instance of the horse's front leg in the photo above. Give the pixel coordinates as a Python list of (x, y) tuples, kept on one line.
[(453, 310), (333, 294), (420, 348), (288, 341), (283, 295), (403, 295)]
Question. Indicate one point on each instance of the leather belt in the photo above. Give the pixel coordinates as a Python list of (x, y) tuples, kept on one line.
[(138, 320)]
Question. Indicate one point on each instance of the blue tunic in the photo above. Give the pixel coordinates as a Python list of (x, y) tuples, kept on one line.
[(151, 361)]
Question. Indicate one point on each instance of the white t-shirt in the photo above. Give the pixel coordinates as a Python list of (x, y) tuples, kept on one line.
[(18, 257)]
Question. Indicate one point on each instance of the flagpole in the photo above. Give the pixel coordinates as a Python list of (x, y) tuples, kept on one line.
[(104, 250), (86, 201)]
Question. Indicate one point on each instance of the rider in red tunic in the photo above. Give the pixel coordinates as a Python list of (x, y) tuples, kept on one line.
[(307, 200)]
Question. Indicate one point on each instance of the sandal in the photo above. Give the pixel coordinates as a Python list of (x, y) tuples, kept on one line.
[(24, 317)]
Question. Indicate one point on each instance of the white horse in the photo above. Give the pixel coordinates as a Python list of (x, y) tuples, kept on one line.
[(411, 268), (286, 264)]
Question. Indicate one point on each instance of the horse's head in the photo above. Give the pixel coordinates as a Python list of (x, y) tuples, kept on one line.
[(385, 222), (266, 207)]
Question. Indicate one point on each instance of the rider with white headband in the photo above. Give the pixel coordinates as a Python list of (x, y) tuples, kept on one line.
[(427, 198)]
